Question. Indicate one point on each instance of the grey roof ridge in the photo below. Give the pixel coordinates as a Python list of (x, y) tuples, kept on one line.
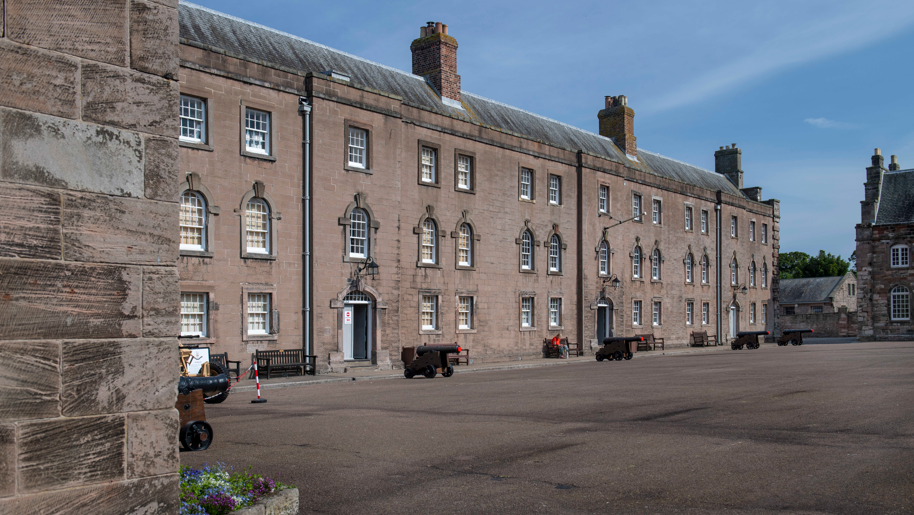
[(299, 38), (892, 172), (678, 161)]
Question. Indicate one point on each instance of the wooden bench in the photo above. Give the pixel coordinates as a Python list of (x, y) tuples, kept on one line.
[(574, 349), (649, 342), (463, 355), (701, 339), (552, 351), (296, 359), (227, 364)]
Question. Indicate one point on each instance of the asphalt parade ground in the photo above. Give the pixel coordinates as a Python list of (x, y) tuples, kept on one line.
[(808, 429)]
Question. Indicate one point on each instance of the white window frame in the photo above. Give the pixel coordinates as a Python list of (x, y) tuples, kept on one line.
[(764, 314), (688, 268), (688, 218), (464, 172), (705, 313), (817, 310), (657, 211), (257, 131), (555, 190), (193, 219), (526, 251), (690, 308), (764, 233), (764, 275), (636, 312), (704, 221), (752, 274), (526, 183), (752, 313), (465, 245), (603, 200), (192, 114), (655, 265), (555, 254), (900, 256), (251, 230), (704, 269), (734, 226), (428, 313), (555, 312), (256, 316), (734, 273), (657, 313), (751, 230), (429, 242), (900, 303), (636, 207), (636, 263), (604, 258), (194, 312), (358, 147), (358, 233), (526, 312), (465, 318), (429, 172)]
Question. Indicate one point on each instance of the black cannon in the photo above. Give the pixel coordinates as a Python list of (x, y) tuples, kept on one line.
[(793, 336), (196, 434), (431, 359), (617, 348), (747, 338)]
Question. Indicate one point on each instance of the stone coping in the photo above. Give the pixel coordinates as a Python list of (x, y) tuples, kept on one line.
[(283, 502)]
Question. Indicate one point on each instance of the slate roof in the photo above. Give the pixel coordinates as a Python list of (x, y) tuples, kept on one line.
[(807, 289), (257, 43), (896, 200)]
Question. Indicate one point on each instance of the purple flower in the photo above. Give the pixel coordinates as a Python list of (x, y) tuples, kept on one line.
[(218, 503)]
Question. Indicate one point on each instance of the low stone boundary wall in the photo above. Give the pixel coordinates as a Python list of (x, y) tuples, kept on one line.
[(842, 323), (283, 502)]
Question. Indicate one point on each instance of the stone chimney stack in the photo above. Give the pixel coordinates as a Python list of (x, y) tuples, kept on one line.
[(893, 166), (872, 188), (617, 121), (729, 161), (435, 58)]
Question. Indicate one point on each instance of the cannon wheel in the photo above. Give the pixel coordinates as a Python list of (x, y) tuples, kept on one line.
[(617, 355), (217, 397), (448, 372), (794, 342), (196, 435), (782, 344), (430, 372), (736, 347), (629, 355), (599, 357), (408, 373)]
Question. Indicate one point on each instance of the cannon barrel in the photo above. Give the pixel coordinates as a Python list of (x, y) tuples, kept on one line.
[(448, 349), (219, 383), (612, 339), (794, 331), (748, 333)]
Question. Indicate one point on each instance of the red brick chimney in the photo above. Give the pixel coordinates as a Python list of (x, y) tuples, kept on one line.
[(617, 121), (435, 58)]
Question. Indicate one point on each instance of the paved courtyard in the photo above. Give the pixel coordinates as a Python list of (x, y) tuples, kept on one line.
[(810, 429)]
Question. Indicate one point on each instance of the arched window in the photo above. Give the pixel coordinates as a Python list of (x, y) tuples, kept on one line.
[(734, 273), (465, 246), (358, 233), (257, 226), (704, 269), (764, 275), (429, 238), (901, 303), (604, 258), (526, 251), (636, 263), (752, 274), (655, 265), (555, 254), (193, 221), (688, 268)]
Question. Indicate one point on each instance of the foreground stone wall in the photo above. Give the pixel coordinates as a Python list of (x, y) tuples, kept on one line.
[(88, 284)]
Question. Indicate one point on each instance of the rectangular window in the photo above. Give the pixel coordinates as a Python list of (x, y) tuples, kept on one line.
[(656, 313), (358, 148), (751, 230), (429, 312), (555, 312), (705, 313), (193, 119), (704, 222), (526, 183), (193, 314), (526, 312), (656, 212), (257, 227), (464, 172), (689, 307), (733, 224), (604, 199), (192, 221), (464, 312), (900, 298), (900, 256), (636, 312), (752, 313), (764, 314), (555, 189), (817, 309), (688, 218), (764, 233), (429, 163), (257, 131), (258, 313), (790, 310), (636, 207)]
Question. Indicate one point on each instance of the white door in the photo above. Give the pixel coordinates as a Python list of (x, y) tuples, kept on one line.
[(734, 322), (348, 315)]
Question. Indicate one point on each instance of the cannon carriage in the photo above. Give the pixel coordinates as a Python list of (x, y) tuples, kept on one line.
[(430, 360), (749, 339), (196, 434), (617, 348), (792, 336)]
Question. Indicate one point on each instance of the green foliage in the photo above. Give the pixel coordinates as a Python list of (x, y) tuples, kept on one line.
[(218, 490), (794, 265)]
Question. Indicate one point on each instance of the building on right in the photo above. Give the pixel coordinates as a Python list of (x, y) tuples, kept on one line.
[(885, 236), (827, 305)]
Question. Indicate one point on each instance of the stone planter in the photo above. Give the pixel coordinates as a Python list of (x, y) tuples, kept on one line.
[(284, 502)]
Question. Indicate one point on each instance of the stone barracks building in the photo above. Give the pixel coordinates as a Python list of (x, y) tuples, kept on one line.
[(885, 237), (305, 168)]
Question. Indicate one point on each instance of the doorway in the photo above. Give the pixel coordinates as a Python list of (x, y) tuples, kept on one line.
[(604, 320), (734, 320), (357, 326)]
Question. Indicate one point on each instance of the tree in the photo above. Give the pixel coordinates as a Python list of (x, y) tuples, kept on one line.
[(791, 264), (794, 265)]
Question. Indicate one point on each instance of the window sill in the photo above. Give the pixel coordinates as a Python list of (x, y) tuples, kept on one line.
[(194, 145), (527, 329), (429, 184), (466, 331), (195, 253), (464, 267), (254, 155), (260, 337), (430, 331), (556, 328), (471, 191), (555, 272), (638, 279), (351, 259), (602, 213), (689, 231), (554, 204), (358, 169), (658, 281), (527, 271), (254, 255), (420, 264), (530, 200)]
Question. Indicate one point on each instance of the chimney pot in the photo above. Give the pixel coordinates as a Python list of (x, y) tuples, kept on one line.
[(721, 148), (878, 152), (893, 166), (423, 31), (438, 27), (444, 27), (435, 59), (734, 145)]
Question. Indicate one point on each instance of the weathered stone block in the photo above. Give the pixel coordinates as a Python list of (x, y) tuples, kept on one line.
[(101, 229), (35, 80), (46, 151), (130, 100), (31, 222), (158, 495), (154, 39), (29, 380), (152, 443), (162, 170), (43, 300), (161, 302), (94, 29), (68, 452), (112, 376), (7, 460)]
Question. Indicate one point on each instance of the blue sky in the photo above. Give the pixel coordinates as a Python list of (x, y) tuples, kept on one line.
[(807, 89)]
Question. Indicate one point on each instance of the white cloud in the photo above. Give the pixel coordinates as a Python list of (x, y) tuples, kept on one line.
[(825, 123)]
